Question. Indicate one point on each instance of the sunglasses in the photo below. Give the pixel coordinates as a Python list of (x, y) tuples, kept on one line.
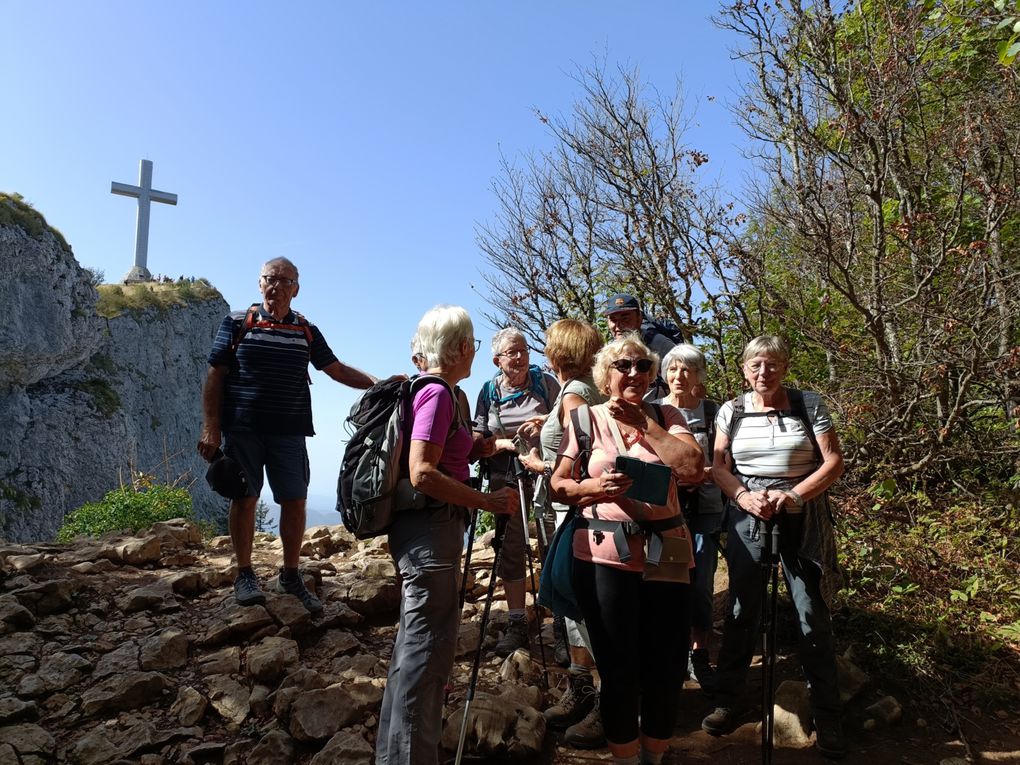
[(643, 366)]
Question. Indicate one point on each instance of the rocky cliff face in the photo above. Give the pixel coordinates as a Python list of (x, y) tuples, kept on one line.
[(84, 400)]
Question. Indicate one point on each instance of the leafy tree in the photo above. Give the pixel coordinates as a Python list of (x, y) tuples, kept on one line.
[(618, 204), (885, 231)]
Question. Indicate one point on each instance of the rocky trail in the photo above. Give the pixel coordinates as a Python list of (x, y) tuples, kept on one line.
[(130, 649)]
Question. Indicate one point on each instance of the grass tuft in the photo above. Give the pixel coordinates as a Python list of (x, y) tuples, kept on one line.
[(116, 299), (15, 211)]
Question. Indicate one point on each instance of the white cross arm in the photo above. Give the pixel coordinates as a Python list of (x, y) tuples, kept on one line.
[(127, 190)]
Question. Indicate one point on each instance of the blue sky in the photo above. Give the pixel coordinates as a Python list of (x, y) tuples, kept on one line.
[(358, 139)]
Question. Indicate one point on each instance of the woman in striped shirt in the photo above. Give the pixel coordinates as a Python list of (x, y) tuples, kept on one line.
[(776, 454)]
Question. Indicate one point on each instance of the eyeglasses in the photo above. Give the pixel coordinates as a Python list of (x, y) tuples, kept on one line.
[(643, 366), (478, 344), (513, 353), (754, 367), (272, 281)]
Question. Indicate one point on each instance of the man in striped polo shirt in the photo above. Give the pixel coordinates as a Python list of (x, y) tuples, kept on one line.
[(256, 400)]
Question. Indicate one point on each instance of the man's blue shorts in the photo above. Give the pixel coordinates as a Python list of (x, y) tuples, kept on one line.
[(283, 458)]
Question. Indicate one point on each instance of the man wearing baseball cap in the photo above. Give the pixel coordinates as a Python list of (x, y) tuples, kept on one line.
[(623, 314)]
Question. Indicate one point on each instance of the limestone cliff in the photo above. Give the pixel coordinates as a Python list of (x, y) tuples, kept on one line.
[(85, 399)]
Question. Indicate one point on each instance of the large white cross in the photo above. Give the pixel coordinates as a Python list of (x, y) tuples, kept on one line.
[(145, 195)]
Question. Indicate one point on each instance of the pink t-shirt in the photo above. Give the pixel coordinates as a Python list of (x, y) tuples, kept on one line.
[(603, 459), (433, 410)]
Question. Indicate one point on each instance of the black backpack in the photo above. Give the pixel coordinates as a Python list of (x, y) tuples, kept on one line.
[(652, 327), (374, 484)]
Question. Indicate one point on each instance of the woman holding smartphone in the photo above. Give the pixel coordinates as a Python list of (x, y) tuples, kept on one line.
[(635, 612)]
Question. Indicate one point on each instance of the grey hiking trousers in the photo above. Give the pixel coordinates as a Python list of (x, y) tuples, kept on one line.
[(426, 548), (741, 633)]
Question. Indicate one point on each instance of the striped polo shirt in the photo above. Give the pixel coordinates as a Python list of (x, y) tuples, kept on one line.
[(266, 389), (774, 445)]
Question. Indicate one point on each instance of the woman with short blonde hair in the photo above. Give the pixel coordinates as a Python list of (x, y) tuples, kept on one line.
[(635, 611)]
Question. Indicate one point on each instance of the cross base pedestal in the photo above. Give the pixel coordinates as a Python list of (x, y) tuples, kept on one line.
[(138, 274)]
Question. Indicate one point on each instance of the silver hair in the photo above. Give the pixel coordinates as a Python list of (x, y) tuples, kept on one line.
[(767, 345), (504, 337), (281, 261), (440, 333), (689, 356), (612, 351)]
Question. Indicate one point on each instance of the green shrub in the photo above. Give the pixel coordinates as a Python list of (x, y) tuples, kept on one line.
[(128, 508), (932, 595)]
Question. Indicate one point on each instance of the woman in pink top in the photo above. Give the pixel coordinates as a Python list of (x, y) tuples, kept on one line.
[(638, 625), (426, 545)]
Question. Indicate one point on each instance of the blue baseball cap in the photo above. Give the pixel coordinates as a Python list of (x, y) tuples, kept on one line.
[(621, 301)]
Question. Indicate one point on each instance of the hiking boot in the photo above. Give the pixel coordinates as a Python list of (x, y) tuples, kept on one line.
[(722, 720), (588, 733), (829, 737), (561, 653), (573, 705), (246, 589), (516, 636), (702, 670), (296, 587)]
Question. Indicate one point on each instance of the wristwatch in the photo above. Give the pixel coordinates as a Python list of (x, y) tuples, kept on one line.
[(797, 499)]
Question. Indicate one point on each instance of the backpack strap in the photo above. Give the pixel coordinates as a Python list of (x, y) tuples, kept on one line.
[(415, 384), (420, 381), (739, 413), (538, 384), (711, 412), (252, 319), (244, 326), (580, 418), (799, 410), (305, 326), (491, 390)]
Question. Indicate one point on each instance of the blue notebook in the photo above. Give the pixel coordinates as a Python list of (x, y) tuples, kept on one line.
[(651, 479)]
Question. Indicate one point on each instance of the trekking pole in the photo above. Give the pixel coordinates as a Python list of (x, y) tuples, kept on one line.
[(770, 602), (520, 471), (542, 534), (501, 527), (476, 483), (467, 556)]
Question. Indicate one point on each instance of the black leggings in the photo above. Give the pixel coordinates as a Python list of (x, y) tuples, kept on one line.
[(639, 636)]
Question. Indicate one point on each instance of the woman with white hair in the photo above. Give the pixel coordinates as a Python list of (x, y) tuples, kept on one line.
[(701, 501), (426, 544), (513, 404), (635, 603)]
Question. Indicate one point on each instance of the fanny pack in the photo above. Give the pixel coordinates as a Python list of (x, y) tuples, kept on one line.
[(672, 558), (667, 558)]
